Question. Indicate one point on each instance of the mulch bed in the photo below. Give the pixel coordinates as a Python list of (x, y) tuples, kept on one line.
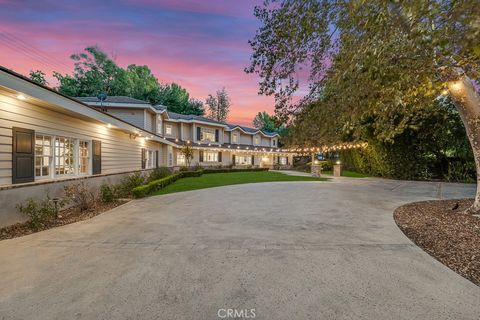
[(445, 232), (66, 216)]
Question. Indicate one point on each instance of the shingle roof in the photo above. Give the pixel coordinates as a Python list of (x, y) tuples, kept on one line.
[(114, 99), (250, 130), (176, 116)]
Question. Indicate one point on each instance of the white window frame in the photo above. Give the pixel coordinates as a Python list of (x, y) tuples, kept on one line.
[(54, 156), (181, 160), (159, 125), (42, 156), (235, 138), (210, 156), (282, 160), (204, 132), (257, 140), (168, 129), (246, 160), (150, 159), (67, 141)]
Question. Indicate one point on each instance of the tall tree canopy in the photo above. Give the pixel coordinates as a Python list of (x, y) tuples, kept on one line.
[(379, 61), (95, 72), (268, 123), (218, 105)]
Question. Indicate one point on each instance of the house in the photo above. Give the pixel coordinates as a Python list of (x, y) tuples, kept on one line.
[(49, 140)]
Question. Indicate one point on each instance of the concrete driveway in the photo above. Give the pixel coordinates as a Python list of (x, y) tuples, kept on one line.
[(294, 250)]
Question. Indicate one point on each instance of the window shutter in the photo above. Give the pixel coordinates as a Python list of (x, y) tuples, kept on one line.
[(23, 155), (144, 158), (96, 157), (253, 160), (287, 160), (199, 134), (278, 159), (156, 158), (233, 159), (220, 156), (217, 133), (201, 155)]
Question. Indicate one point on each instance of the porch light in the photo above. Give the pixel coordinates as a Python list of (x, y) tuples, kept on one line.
[(338, 162), (176, 140), (109, 125), (21, 97)]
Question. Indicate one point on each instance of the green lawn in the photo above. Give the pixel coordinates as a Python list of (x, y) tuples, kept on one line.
[(346, 173), (224, 179)]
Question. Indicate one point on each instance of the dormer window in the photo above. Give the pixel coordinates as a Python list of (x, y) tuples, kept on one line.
[(274, 142), (159, 124), (208, 135), (257, 140), (168, 129), (235, 137)]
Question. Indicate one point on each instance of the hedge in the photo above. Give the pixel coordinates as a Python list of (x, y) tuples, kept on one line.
[(142, 191)]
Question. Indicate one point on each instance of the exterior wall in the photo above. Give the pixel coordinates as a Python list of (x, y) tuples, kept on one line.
[(133, 116), (266, 142), (226, 137), (187, 132), (150, 122), (10, 197), (201, 125), (245, 138)]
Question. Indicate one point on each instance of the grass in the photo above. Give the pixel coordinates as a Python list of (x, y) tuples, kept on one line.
[(346, 173), (224, 179)]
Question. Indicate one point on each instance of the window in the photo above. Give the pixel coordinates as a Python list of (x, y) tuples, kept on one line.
[(274, 142), (159, 125), (257, 140), (64, 157), (168, 129), (61, 156), (150, 160), (83, 157), (43, 155), (243, 160), (235, 138), (181, 161), (210, 156), (282, 160), (208, 134)]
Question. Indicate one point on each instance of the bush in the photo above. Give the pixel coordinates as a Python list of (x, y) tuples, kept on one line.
[(38, 212), (461, 172), (80, 195), (159, 173), (142, 191), (127, 184), (107, 193)]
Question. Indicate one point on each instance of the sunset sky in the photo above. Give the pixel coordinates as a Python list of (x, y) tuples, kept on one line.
[(202, 45)]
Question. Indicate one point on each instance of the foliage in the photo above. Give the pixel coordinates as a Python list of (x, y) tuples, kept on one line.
[(107, 193), (187, 151), (80, 195), (375, 72), (219, 105), (159, 173), (227, 170), (178, 100), (38, 76), (95, 72), (128, 183), (39, 212)]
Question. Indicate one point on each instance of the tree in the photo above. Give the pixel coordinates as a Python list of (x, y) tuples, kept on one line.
[(264, 121), (372, 58), (95, 72), (187, 151), (38, 77), (218, 105), (177, 99)]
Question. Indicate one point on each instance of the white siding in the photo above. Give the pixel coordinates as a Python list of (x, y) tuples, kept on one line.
[(120, 152), (133, 116)]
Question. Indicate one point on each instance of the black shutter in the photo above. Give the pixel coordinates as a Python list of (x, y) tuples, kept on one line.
[(96, 157), (200, 153), (199, 133), (217, 138), (287, 161), (156, 158), (253, 160), (278, 159), (220, 156), (233, 159), (23, 155), (144, 158)]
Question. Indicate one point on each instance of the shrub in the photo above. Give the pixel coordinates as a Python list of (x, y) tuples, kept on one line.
[(107, 193), (206, 171), (142, 191), (127, 184), (159, 173), (38, 212), (80, 195), (460, 172)]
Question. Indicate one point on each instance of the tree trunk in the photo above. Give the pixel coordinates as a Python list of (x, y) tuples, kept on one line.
[(467, 101)]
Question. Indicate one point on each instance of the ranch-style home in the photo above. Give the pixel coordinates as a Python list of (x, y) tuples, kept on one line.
[(48, 140)]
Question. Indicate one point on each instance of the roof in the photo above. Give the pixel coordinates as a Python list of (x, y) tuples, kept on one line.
[(251, 130), (114, 99), (192, 117), (231, 146)]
